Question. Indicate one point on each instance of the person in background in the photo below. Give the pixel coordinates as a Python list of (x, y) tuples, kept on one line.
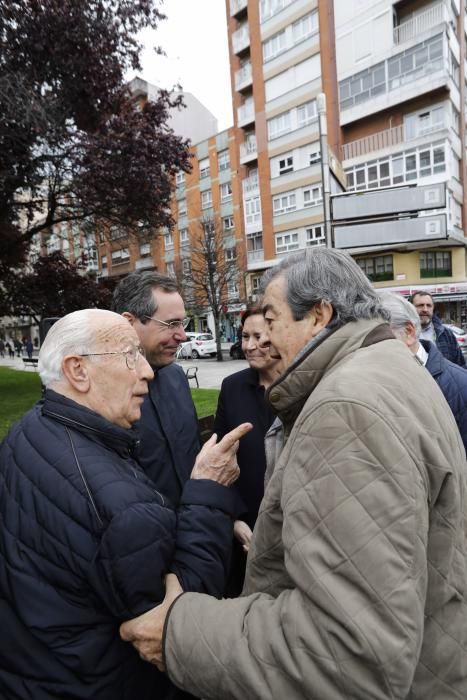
[(170, 441), (242, 399), (29, 347), (434, 330), (356, 579), (451, 379), (86, 539)]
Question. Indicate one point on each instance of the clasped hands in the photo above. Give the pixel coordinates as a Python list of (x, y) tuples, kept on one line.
[(214, 461)]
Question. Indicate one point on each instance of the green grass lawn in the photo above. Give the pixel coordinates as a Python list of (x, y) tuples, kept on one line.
[(20, 390)]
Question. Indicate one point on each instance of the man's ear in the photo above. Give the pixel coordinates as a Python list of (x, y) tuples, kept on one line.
[(323, 314), (76, 373), (129, 317)]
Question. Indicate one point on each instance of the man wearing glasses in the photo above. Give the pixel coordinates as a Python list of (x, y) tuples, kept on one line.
[(169, 428), (86, 539)]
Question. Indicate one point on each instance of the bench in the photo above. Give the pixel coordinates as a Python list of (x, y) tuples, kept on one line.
[(30, 362), (191, 373)]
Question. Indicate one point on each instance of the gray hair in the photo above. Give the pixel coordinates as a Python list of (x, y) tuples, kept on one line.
[(326, 274), (74, 334), (134, 293), (401, 312)]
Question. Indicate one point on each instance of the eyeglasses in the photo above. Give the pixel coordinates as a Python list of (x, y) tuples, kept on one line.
[(171, 325), (131, 356)]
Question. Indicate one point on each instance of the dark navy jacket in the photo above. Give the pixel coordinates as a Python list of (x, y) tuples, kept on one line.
[(452, 380), (85, 542), (447, 343), (169, 432), (242, 400)]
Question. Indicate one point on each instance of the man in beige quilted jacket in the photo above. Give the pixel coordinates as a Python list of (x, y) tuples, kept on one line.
[(356, 582)]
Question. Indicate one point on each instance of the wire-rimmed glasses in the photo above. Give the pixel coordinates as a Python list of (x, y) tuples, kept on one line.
[(170, 325), (131, 356)]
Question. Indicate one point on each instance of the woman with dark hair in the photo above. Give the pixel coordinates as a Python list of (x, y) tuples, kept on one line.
[(242, 399)]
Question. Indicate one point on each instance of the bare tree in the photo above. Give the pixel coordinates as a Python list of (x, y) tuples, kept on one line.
[(214, 273)]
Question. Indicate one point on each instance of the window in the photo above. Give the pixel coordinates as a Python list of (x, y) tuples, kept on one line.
[(274, 46), (285, 165), (435, 264), (223, 160), (226, 191), (312, 196), (314, 156), (421, 123), (204, 168), (254, 241), (287, 242), (252, 210), (104, 261), (186, 267), (180, 178), (256, 284), (378, 269), (279, 125), (206, 199), (181, 207), (269, 8), (413, 164), (230, 254), (304, 27), (184, 236), (284, 203), (144, 250), (306, 113), (228, 223), (120, 256), (168, 241), (315, 236), (170, 269)]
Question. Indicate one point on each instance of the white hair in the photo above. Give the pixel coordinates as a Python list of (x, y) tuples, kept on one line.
[(74, 334), (401, 311)]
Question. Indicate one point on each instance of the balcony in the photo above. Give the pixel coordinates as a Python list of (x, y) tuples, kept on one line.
[(241, 38), (246, 113), (236, 6), (385, 139), (248, 150), (244, 76), (432, 17)]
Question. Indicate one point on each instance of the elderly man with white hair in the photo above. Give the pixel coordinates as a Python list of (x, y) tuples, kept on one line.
[(356, 578), (85, 539), (450, 377)]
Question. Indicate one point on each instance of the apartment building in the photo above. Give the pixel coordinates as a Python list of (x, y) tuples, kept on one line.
[(401, 72), (282, 57), (209, 196)]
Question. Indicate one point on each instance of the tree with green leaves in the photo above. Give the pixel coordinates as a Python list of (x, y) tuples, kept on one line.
[(74, 144)]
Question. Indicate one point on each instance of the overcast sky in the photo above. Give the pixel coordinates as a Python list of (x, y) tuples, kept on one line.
[(194, 37)]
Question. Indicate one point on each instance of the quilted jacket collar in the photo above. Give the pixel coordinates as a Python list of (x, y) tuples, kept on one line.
[(289, 393), (94, 426)]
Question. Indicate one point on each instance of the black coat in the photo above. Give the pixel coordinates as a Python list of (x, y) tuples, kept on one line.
[(85, 542), (242, 400), (169, 432), (452, 380)]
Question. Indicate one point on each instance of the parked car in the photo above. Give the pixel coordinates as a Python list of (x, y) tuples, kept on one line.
[(199, 345), (236, 352), (461, 336)]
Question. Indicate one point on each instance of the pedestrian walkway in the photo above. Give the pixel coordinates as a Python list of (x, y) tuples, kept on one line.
[(210, 372)]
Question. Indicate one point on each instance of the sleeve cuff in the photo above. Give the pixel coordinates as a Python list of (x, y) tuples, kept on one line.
[(205, 492)]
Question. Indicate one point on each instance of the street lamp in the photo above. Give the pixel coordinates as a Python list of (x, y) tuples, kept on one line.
[(325, 177)]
